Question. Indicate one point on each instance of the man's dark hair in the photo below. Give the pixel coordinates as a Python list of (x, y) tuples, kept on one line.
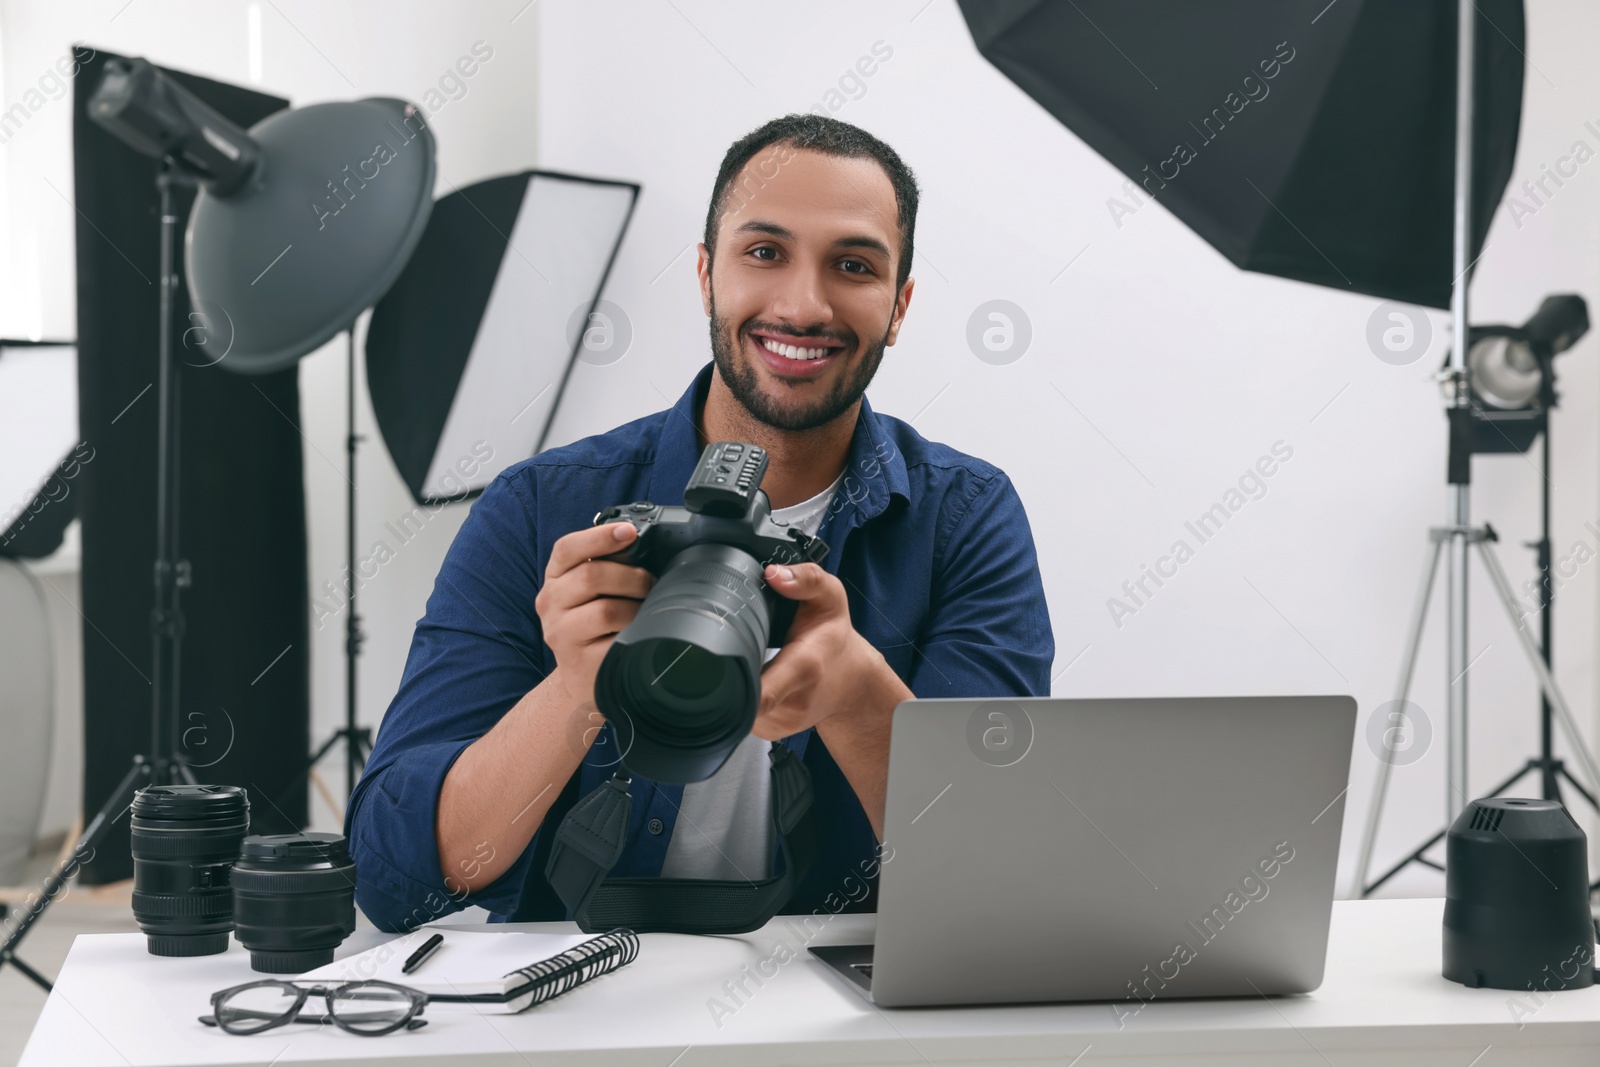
[(829, 136)]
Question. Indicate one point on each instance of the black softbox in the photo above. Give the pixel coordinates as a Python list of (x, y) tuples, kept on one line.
[(1302, 138)]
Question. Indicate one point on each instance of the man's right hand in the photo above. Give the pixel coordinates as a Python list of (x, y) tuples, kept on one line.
[(499, 790), (585, 601)]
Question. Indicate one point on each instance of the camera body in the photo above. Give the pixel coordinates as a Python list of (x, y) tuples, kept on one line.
[(723, 504), (705, 626)]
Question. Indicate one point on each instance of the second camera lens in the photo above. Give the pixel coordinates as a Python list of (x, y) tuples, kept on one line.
[(293, 900)]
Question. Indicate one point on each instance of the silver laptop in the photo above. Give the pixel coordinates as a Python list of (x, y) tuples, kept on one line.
[(1125, 850)]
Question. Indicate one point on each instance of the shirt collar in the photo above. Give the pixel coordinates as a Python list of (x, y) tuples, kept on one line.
[(874, 473)]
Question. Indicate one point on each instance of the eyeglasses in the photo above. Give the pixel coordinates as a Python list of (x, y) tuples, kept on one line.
[(369, 1008)]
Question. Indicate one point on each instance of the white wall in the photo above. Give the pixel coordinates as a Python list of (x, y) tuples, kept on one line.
[(1181, 370)]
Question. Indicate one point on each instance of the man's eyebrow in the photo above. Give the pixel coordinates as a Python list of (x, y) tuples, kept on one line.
[(782, 233)]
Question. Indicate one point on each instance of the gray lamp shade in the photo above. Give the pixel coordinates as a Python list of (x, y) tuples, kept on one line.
[(317, 235), (1505, 373)]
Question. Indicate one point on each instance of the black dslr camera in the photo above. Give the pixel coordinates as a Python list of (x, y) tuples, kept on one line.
[(681, 684)]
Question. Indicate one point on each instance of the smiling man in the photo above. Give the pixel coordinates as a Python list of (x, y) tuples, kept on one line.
[(931, 587)]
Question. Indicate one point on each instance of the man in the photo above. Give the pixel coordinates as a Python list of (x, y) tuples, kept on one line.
[(930, 588)]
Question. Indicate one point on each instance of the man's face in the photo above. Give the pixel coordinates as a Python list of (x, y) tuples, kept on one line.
[(802, 294)]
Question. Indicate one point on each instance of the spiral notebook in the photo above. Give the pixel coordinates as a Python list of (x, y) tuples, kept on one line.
[(500, 971)]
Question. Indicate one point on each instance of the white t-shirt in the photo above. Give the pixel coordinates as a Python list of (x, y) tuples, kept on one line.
[(724, 828)]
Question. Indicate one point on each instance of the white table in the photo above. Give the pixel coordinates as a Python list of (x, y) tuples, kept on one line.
[(1382, 1002)]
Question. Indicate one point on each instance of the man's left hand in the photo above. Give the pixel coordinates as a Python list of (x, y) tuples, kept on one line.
[(824, 667)]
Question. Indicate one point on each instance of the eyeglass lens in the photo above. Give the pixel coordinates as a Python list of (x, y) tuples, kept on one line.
[(256, 1007), (367, 1008)]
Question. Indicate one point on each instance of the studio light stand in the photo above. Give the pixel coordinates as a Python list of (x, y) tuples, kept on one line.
[(250, 209), (361, 228), (357, 739), (1550, 769), (161, 765), (1472, 429)]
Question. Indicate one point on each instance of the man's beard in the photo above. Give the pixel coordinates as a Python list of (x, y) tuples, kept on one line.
[(743, 381)]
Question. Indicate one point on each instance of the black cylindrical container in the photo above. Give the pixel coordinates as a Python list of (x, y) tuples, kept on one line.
[(1516, 910), (294, 900), (185, 839)]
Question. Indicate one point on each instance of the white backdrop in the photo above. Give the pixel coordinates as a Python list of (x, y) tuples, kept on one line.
[(1157, 373), (1155, 377)]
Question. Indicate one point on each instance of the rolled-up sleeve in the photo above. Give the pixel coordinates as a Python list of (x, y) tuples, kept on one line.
[(988, 629), (477, 650)]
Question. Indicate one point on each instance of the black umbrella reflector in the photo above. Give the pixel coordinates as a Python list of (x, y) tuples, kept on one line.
[(40, 452), (336, 206), (1303, 139), (470, 351)]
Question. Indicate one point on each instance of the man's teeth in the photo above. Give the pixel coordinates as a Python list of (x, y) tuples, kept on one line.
[(793, 351)]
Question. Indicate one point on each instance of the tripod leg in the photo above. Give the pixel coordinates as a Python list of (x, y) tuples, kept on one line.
[(1569, 725), (1408, 666), (327, 795), (304, 773), (28, 972), (1562, 772), (1416, 855), (82, 851)]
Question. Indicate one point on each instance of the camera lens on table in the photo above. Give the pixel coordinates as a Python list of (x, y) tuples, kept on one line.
[(294, 899), (185, 839)]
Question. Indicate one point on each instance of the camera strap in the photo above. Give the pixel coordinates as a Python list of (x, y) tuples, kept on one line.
[(590, 840)]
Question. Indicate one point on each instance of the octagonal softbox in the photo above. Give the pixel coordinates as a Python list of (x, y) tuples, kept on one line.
[(1300, 138), (469, 352)]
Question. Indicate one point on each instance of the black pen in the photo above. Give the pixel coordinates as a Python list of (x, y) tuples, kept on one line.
[(416, 959)]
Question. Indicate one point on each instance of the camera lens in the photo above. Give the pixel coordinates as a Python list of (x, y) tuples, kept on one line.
[(294, 900), (185, 839), (687, 672), (682, 682)]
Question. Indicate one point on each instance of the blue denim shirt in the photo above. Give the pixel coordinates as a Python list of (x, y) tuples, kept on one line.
[(936, 557)]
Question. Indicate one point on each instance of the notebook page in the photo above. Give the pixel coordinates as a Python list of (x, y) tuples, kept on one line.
[(468, 962)]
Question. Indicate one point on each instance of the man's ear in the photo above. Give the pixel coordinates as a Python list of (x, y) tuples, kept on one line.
[(900, 305), (702, 268)]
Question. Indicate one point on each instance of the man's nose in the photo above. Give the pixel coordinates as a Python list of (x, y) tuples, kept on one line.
[(803, 301)]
